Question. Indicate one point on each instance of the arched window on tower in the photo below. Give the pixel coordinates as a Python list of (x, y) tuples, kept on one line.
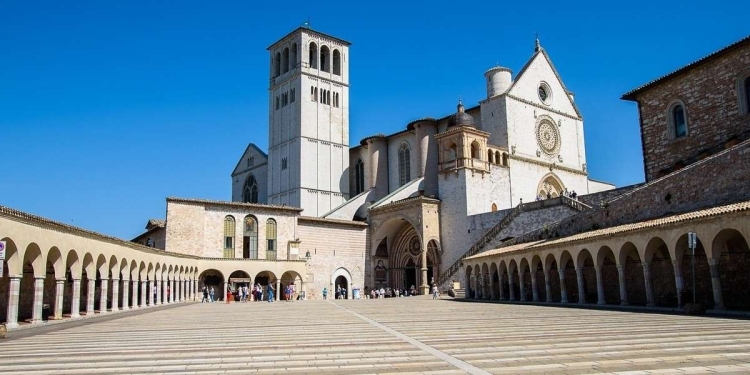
[(277, 65), (313, 60), (452, 152), (498, 160), (677, 121), (505, 159), (271, 239), (285, 60), (490, 157), (336, 62), (325, 59), (359, 177), (494, 207), (250, 238), (475, 150), (404, 161), (229, 237), (250, 190), (293, 57)]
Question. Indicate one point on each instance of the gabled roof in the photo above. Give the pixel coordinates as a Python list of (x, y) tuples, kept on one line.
[(630, 95), (249, 146), (156, 223)]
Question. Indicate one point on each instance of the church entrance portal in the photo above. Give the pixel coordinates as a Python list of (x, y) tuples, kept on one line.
[(341, 282)]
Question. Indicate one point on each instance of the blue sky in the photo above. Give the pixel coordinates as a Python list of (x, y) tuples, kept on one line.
[(106, 108)]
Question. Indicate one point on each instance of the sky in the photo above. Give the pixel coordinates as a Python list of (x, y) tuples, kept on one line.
[(106, 108)]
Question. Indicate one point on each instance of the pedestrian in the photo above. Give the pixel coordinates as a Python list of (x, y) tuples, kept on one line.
[(435, 292), (154, 289), (205, 295), (229, 293), (245, 292), (325, 293), (270, 293), (398, 293), (211, 294)]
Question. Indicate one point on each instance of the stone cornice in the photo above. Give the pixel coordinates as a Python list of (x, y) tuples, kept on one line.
[(358, 224), (204, 202), (548, 165), (462, 129), (524, 101), (405, 203)]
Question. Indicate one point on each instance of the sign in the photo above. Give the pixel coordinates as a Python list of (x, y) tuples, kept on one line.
[(2, 250), (692, 240), (239, 280)]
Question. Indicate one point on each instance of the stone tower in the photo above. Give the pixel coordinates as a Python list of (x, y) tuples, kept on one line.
[(308, 137)]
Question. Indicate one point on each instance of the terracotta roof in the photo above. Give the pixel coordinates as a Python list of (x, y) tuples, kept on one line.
[(235, 204), (630, 95), (156, 223), (620, 229), (333, 221)]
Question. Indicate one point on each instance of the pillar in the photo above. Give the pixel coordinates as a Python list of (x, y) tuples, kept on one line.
[(534, 292), (679, 284), (90, 296), (425, 287), (522, 286), (623, 289), (183, 289), (716, 283), (115, 294), (581, 286), (103, 296), (159, 285), (36, 314), (547, 286), (649, 286), (144, 293), (59, 292), (134, 297), (510, 287), (195, 289), (278, 290), (599, 286), (500, 284), (171, 290), (125, 294), (75, 303), (13, 295), (563, 289)]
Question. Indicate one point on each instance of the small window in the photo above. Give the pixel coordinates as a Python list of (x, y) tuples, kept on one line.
[(229, 237), (545, 94), (325, 59), (677, 121), (404, 164), (271, 239), (277, 65), (359, 177), (336, 62), (313, 59), (277, 102), (743, 93), (293, 96), (494, 207), (283, 164)]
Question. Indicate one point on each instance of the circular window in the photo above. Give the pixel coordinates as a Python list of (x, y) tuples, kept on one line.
[(548, 137), (545, 94)]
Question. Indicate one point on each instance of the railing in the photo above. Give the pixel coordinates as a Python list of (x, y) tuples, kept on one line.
[(479, 245), (576, 204)]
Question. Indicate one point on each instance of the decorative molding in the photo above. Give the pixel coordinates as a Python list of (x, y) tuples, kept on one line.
[(548, 165), (544, 108)]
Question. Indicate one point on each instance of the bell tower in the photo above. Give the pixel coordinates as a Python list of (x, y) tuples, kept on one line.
[(308, 137)]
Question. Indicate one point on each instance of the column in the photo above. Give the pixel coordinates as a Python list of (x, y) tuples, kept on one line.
[(144, 293), (183, 290), (500, 285), (522, 286), (75, 303), (677, 265), (623, 289), (36, 314), (224, 292), (599, 286), (547, 286), (716, 283), (177, 289), (171, 291), (493, 297), (278, 290), (125, 294), (59, 292), (115, 294), (563, 289), (134, 297), (159, 284), (13, 294), (649, 286), (581, 286), (195, 289), (90, 296), (425, 286), (510, 287), (103, 296), (534, 292)]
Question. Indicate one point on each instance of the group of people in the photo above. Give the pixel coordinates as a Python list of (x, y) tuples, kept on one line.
[(400, 292), (245, 293), (208, 294), (340, 293), (566, 193)]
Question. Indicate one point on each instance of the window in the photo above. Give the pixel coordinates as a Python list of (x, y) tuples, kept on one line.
[(490, 156), (313, 60), (494, 207), (293, 57), (250, 238), (277, 102), (677, 121), (336, 99), (283, 164), (452, 152), (293, 95), (229, 237), (277, 65), (325, 59), (359, 177), (271, 239), (285, 60), (475, 150), (545, 93), (248, 162), (743, 93), (497, 158), (336, 62), (404, 169), (250, 190)]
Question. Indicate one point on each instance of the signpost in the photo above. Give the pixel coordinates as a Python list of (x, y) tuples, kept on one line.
[(2, 257), (692, 244)]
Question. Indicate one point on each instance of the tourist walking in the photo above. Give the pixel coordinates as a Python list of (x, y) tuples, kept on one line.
[(435, 292), (211, 294), (205, 295), (270, 293), (154, 290), (229, 293), (325, 293)]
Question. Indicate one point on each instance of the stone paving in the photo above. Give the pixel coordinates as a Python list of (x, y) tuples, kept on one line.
[(406, 335)]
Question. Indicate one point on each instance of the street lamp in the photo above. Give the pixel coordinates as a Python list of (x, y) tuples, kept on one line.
[(307, 255)]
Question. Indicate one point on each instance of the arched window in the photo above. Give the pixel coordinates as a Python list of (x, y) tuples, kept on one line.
[(505, 159), (743, 93), (490, 157), (677, 121), (271, 239), (452, 152), (293, 57), (494, 207), (475, 150), (313, 55), (229, 237), (250, 190), (404, 161), (277, 65), (250, 238), (285, 60), (747, 94), (325, 59), (336, 62), (359, 177)]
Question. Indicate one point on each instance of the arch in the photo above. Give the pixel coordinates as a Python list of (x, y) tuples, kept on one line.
[(475, 154), (524, 278), (498, 159), (494, 282), (486, 281), (229, 231), (113, 267), (553, 273), (490, 157), (325, 58), (102, 266), (635, 286), (493, 208), (336, 62), (277, 65), (250, 237), (123, 269), (502, 272), (468, 290), (677, 120), (567, 269), (54, 259), (585, 262), (293, 58), (293, 279), (359, 176), (250, 189), (33, 257), (659, 259), (404, 163), (505, 159), (271, 239), (313, 56), (743, 92), (285, 60), (550, 186), (537, 274), (12, 257), (452, 152), (513, 280), (730, 248)]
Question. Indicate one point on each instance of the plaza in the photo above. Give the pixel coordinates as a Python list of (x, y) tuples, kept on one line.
[(396, 335)]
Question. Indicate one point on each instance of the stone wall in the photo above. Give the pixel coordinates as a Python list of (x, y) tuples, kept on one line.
[(709, 94)]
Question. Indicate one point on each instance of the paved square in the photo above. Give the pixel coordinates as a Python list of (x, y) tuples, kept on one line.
[(403, 335)]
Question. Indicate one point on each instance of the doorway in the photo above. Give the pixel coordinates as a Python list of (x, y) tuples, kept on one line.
[(342, 282)]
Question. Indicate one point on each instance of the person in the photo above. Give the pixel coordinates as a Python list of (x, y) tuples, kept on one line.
[(372, 294), (435, 292), (205, 295), (168, 300), (381, 293), (398, 293), (270, 293), (338, 291), (325, 293), (245, 292), (229, 293), (154, 289)]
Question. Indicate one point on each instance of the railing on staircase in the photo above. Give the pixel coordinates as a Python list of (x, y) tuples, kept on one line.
[(484, 240), (576, 204)]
